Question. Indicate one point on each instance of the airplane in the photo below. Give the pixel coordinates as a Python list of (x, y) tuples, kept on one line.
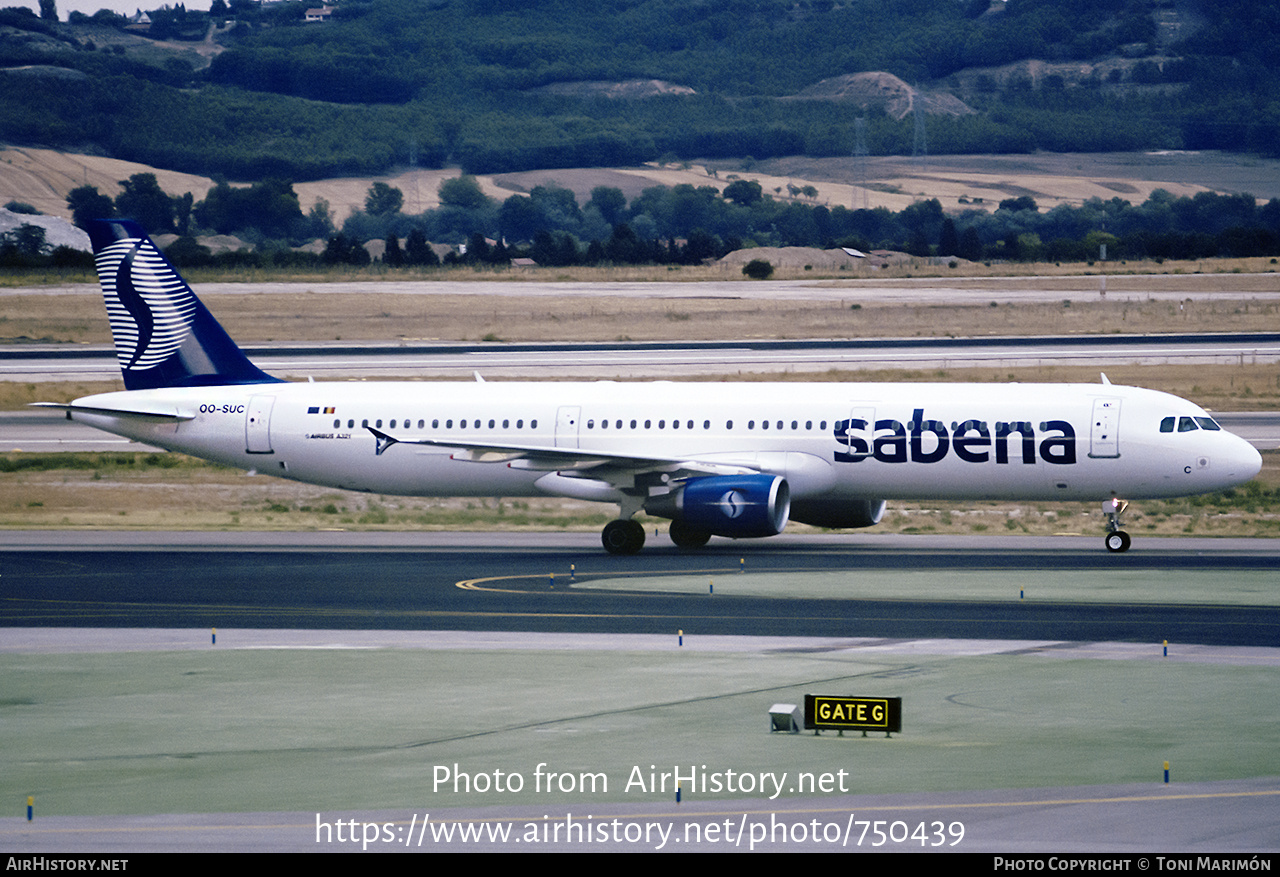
[(716, 459)]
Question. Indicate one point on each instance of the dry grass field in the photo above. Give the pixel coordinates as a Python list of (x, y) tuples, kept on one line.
[(839, 308), (173, 492), (42, 178)]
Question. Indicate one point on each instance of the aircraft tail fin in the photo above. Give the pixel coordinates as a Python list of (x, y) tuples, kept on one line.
[(164, 336)]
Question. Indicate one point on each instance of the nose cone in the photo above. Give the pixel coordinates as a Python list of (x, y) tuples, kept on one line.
[(1243, 461)]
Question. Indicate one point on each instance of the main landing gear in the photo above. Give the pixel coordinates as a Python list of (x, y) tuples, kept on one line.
[(1117, 540), (622, 537), (627, 537), (685, 536)]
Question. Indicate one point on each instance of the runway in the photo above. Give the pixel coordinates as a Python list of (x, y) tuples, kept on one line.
[(658, 360), (536, 582), (864, 288)]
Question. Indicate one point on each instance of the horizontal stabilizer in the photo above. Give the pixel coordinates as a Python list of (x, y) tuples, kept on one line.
[(142, 412)]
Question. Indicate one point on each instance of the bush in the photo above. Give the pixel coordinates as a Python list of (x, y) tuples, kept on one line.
[(758, 269)]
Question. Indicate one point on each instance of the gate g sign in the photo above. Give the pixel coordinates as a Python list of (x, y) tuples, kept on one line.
[(853, 713)]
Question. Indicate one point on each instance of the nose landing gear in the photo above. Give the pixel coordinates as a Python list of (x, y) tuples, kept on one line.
[(1117, 540)]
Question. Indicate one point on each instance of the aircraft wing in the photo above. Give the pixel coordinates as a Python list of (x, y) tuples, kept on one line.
[(605, 466)]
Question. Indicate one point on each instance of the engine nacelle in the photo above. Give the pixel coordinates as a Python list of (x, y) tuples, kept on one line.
[(838, 513), (737, 506)]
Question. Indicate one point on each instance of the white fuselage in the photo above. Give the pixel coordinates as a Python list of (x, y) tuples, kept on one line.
[(830, 441)]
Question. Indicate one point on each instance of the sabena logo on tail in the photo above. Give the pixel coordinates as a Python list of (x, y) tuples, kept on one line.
[(164, 336), (148, 304)]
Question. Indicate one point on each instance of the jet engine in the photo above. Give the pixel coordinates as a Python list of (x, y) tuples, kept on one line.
[(737, 506), (838, 514)]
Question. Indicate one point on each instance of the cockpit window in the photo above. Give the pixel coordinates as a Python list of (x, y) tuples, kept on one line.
[(1188, 424)]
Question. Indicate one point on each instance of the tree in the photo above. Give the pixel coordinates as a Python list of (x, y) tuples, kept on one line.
[(520, 219), (918, 244), (29, 239), (185, 252), (558, 206), (383, 200), (949, 240), (477, 249), (393, 255), (86, 203), (271, 206), (611, 203), (758, 269), (48, 10), (1022, 202), (342, 250), (144, 201), (417, 251), (624, 246), (743, 192), (319, 221), (462, 192)]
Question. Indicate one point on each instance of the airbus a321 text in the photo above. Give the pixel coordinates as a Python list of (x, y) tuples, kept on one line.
[(734, 460)]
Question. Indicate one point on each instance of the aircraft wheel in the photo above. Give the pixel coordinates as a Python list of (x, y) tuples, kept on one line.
[(622, 537), (1118, 541), (685, 536)]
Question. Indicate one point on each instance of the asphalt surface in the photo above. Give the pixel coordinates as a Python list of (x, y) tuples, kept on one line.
[(532, 361), (864, 287), (340, 582)]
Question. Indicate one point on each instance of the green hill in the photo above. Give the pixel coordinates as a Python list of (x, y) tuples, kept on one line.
[(504, 85)]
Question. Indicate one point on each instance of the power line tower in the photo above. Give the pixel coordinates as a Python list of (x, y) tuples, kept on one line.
[(860, 157), (920, 148), (413, 163)]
